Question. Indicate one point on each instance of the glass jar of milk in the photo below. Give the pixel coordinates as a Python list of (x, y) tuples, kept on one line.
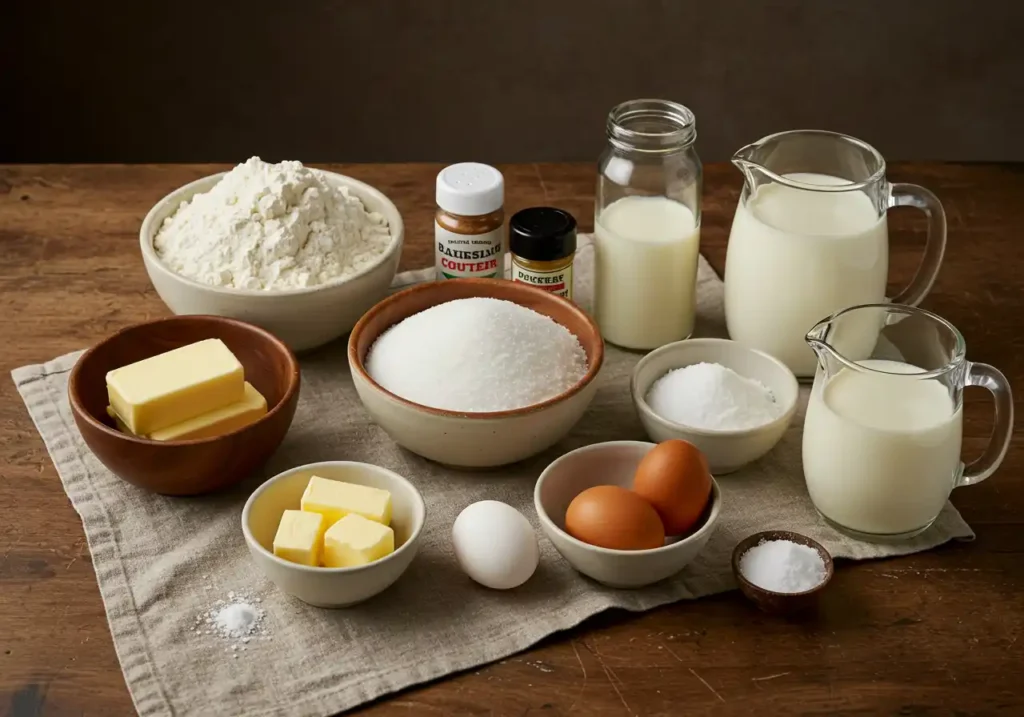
[(810, 238), (647, 225), (884, 421)]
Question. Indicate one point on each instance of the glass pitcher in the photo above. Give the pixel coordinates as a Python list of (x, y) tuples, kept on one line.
[(882, 432), (809, 238)]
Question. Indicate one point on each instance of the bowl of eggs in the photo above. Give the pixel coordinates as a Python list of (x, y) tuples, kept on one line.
[(629, 513)]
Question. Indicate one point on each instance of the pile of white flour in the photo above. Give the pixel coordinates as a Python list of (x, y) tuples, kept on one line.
[(271, 227)]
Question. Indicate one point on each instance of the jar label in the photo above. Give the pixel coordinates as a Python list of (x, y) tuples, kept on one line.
[(557, 281), (458, 256)]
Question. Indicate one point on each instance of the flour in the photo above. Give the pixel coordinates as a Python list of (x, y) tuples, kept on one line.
[(712, 396), (271, 227)]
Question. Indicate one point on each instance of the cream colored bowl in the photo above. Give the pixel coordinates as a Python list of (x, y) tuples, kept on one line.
[(332, 587), (302, 318), (474, 440), (612, 463), (726, 450)]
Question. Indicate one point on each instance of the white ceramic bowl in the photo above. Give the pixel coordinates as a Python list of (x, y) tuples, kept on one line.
[(726, 450), (612, 463), (474, 440), (332, 587), (302, 318)]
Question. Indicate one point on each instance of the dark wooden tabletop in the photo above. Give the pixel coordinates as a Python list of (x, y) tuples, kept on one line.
[(935, 633)]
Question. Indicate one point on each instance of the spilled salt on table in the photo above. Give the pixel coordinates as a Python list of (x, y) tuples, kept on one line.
[(783, 566), (712, 396), (238, 619), (477, 355)]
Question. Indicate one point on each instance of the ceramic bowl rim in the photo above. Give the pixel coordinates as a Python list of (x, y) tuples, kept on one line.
[(754, 539), (278, 346), (641, 401), (593, 368), (542, 514), (147, 234), (414, 535)]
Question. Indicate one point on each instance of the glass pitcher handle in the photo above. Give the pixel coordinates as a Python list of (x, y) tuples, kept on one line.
[(912, 195), (989, 377)]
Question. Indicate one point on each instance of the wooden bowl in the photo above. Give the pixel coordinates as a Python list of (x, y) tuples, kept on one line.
[(195, 466), (474, 440), (781, 603)]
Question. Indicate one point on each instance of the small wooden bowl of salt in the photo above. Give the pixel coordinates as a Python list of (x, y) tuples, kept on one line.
[(782, 572)]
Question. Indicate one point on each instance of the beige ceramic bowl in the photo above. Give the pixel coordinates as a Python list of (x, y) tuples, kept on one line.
[(474, 440), (726, 451), (332, 587), (612, 463), (302, 318)]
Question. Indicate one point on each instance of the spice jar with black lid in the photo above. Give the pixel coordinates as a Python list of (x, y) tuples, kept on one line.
[(542, 241)]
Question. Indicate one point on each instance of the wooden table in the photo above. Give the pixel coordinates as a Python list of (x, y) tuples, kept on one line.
[(936, 633)]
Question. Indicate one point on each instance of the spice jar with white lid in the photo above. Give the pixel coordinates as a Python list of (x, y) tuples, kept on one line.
[(542, 241), (468, 237), (647, 225)]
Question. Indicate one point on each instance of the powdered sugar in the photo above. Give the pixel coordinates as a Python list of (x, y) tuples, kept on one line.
[(271, 227), (477, 355), (709, 395)]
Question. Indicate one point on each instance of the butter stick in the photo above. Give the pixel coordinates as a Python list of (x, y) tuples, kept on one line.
[(172, 387), (209, 425)]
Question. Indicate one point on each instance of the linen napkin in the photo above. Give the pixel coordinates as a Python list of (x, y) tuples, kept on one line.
[(161, 562)]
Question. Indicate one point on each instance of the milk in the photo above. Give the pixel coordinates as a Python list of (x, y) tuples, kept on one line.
[(881, 452), (645, 271), (795, 257)]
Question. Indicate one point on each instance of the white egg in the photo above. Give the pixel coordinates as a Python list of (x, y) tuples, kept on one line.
[(495, 544)]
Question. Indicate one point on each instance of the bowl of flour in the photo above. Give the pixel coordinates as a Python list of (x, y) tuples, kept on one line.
[(298, 251)]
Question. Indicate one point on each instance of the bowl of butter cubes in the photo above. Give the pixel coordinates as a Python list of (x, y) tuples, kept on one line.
[(335, 533)]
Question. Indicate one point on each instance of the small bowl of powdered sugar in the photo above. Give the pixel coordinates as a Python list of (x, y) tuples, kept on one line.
[(781, 572), (732, 402)]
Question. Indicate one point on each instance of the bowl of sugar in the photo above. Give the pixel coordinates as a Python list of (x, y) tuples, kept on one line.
[(782, 572), (298, 251), (475, 373), (732, 402)]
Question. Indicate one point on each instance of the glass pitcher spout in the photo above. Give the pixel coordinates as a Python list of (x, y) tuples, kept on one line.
[(744, 160), (817, 339)]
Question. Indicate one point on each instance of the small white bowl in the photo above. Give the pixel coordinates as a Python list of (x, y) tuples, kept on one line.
[(726, 450), (332, 587), (302, 318), (612, 463), (474, 440)]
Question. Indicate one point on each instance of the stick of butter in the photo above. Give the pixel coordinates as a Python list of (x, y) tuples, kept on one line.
[(172, 387), (335, 499), (354, 540), (298, 537), (212, 424)]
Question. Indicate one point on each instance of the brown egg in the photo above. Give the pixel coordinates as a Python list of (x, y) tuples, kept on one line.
[(610, 516), (674, 478)]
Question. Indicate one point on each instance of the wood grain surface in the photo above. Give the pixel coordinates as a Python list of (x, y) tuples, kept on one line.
[(930, 634)]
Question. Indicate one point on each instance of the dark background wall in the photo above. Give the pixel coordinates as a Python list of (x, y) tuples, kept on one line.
[(499, 80)]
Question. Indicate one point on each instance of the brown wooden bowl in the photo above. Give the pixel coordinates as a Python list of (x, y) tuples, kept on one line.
[(771, 602), (195, 466)]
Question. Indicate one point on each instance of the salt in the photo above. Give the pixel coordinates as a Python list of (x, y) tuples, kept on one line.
[(237, 619), (477, 355), (783, 566), (712, 396)]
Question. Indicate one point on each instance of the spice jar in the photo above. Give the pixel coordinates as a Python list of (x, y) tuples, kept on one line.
[(468, 222), (647, 225), (543, 244)]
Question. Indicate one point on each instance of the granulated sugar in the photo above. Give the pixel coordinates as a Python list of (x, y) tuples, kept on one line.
[(476, 355), (239, 619), (783, 566), (709, 395)]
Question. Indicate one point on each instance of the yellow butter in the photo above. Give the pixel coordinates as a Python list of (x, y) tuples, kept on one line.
[(215, 423), (175, 386), (335, 499), (354, 540), (298, 537)]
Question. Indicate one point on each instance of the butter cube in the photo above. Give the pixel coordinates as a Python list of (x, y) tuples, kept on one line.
[(335, 499), (215, 423), (298, 537), (354, 540), (172, 387)]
